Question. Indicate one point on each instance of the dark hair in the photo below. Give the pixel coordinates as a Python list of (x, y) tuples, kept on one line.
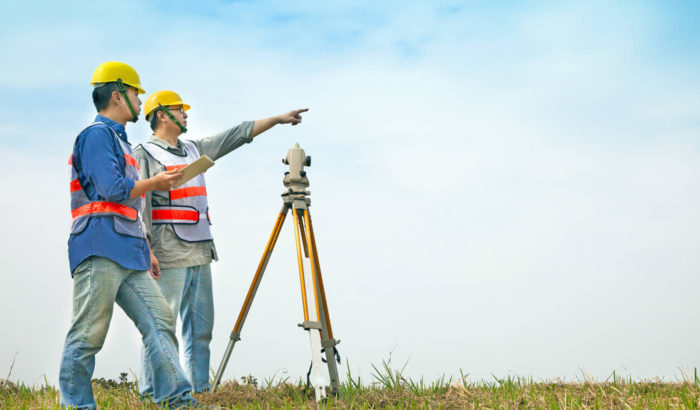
[(102, 94), (154, 119)]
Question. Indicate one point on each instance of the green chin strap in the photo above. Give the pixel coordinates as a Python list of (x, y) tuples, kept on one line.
[(172, 118), (122, 90)]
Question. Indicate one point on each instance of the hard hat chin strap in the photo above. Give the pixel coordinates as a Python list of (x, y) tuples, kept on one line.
[(122, 90), (167, 112)]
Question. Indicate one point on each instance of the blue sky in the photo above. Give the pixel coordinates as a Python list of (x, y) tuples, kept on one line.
[(507, 188)]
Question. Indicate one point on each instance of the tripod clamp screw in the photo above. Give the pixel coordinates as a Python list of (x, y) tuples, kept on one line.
[(330, 343), (307, 325), (235, 336)]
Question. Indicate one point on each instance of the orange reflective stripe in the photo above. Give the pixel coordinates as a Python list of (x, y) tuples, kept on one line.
[(104, 207), (187, 192), (174, 167), (174, 214), (75, 185), (131, 161)]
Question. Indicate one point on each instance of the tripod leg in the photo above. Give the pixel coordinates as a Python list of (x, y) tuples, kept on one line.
[(298, 238), (236, 333), (327, 340)]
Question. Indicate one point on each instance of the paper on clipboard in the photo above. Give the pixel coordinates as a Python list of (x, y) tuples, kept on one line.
[(200, 165)]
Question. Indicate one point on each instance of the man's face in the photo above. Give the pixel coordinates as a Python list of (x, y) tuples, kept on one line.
[(177, 112), (133, 95)]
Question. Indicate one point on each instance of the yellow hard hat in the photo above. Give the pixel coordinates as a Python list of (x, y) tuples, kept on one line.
[(164, 98), (113, 71)]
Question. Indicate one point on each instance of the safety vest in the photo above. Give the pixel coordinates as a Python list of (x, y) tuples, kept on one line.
[(188, 209), (126, 214)]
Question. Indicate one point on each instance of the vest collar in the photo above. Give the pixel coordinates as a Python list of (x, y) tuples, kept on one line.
[(179, 150), (117, 127)]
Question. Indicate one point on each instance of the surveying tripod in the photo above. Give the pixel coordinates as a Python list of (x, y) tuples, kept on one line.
[(296, 199)]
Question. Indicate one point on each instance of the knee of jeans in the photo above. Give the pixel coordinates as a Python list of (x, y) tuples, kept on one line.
[(88, 333), (208, 329), (164, 318), (202, 334), (96, 334)]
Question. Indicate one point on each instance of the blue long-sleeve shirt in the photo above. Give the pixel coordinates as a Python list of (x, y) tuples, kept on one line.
[(101, 166)]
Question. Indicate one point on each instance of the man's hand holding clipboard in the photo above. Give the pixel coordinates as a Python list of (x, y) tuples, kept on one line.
[(202, 164)]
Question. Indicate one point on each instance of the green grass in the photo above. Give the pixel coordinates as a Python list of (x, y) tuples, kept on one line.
[(388, 388)]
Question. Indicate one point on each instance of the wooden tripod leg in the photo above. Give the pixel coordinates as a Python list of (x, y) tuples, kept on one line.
[(327, 340), (236, 333), (302, 279), (312, 240)]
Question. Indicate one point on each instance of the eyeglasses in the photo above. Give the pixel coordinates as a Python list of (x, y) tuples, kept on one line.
[(172, 109)]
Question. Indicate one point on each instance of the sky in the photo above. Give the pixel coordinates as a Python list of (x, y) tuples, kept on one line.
[(497, 189)]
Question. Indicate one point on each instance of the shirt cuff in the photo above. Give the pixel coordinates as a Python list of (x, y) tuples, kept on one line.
[(130, 184), (248, 127)]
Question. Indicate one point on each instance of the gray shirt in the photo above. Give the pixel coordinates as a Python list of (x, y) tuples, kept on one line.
[(168, 248)]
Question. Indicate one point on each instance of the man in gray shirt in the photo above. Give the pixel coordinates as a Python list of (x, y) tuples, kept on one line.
[(177, 223)]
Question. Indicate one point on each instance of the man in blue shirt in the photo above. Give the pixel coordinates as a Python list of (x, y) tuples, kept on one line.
[(108, 251)]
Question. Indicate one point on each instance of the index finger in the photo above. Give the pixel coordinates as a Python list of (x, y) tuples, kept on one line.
[(299, 111)]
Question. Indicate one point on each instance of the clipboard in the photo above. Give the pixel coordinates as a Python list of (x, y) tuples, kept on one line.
[(200, 165)]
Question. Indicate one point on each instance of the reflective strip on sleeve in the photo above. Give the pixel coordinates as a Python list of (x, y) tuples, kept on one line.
[(131, 161), (174, 167), (104, 208), (75, 185), (187, 192), (173, 215)]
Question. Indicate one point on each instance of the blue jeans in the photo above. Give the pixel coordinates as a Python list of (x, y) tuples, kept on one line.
[(97, 284), (189, 294)]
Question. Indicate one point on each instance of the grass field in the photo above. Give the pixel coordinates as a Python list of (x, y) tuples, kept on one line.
[(389, 389)]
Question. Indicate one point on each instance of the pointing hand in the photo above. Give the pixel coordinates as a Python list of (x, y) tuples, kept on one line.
[(293, 117)]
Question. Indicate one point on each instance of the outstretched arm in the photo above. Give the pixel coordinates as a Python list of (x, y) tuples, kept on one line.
[(224, 142), (293, 117)]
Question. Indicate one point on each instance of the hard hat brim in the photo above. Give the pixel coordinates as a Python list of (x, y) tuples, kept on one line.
[(138, 88)]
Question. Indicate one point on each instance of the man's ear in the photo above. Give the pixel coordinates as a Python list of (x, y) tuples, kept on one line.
[(116, 96)]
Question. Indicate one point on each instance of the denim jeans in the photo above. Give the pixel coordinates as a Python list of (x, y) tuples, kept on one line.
[(189, 294), (97, 284)]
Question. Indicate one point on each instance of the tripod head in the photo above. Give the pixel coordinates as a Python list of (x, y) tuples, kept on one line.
[(295, 179)]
